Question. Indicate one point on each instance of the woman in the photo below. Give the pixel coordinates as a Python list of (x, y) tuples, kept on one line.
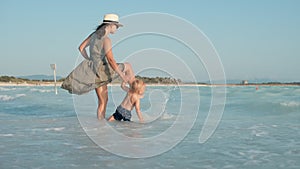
[(100, 67)]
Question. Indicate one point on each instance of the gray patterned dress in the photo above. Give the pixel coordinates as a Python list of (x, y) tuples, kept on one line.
[(93, 73)]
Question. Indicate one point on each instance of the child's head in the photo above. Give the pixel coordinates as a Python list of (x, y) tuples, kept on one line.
[(138, 86)]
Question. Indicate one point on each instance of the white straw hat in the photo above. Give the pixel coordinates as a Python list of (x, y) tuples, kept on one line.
[(112, 18)]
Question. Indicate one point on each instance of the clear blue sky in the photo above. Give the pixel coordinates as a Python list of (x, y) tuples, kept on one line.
[(254, 38)]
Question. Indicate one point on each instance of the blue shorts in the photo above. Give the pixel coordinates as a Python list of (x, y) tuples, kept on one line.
[(122, 114)]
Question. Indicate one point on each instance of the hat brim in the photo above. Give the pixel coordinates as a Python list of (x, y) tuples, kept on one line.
[(115, 23)]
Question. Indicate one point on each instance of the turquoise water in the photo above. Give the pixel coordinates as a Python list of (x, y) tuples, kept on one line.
[(258, 129)]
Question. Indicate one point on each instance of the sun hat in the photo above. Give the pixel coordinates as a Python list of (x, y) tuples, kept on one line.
[(112, 18)]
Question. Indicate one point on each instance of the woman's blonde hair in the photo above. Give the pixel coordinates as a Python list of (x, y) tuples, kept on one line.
[(137, 86)]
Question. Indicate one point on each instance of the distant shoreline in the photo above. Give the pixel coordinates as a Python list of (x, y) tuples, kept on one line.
[(58, 84), (30, 84), (150, 81)]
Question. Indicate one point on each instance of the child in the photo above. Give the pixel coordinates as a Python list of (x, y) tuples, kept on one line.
[(132, 99)]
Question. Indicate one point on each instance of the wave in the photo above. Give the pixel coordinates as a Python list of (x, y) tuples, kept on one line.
[(290, 104), (7, 89), (55, 129), (6, 135), (6, 98), (20, 95), (41, 90), (10, 98)]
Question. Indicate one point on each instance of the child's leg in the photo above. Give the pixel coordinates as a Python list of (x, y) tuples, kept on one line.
[(111, 118), (115, 116)]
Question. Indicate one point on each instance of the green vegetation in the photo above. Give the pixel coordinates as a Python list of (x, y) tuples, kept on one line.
[(12, 79), (155, 80), (159, 80)]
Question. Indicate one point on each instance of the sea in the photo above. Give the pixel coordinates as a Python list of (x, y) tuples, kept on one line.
[(185, 127)]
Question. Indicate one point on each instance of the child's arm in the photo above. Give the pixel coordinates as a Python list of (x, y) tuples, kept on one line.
[(124, 87), (138, 110)]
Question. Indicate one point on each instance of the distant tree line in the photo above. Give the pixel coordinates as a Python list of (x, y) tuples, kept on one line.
[(12, 79), (155, 80), (149, 80), (159, 80)]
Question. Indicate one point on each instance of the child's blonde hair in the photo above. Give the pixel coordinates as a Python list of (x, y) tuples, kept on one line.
[(137, 86)]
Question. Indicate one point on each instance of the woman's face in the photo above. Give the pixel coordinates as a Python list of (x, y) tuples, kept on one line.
[(113, 28)]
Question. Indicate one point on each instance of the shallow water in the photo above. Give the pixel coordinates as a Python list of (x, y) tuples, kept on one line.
[(258, 129)]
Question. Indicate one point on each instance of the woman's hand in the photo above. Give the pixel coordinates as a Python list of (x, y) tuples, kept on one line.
[(125, 78)]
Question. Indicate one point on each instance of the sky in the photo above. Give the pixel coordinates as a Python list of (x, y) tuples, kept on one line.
[(254, 39)]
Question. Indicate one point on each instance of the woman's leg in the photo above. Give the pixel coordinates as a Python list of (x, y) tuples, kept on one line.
[(102, 95)]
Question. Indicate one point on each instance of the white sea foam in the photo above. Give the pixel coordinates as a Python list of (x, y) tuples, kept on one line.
[(41, 90), (259, 133), (6, 135), (81, 147), (6, 98), (6, 89), (55, 129), (20, 95), (10, 98), (257, 126), (290, 104)]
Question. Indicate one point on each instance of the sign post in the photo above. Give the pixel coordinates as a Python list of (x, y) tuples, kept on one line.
[(53, 66)]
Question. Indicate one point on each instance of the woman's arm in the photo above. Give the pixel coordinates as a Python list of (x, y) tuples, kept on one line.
[(111, 59), (138, 110), (84, 45)]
